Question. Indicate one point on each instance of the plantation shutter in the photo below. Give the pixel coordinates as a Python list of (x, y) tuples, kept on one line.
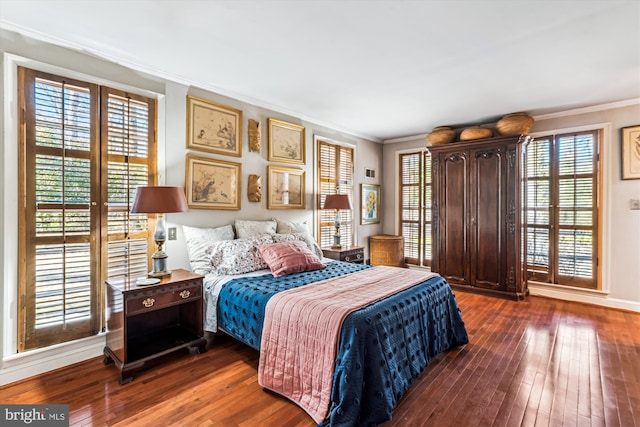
[(577, 209), (537, 202), (335, 175), (84, 150), (415, 207), (128, 128), (561, 208), (59, 286)]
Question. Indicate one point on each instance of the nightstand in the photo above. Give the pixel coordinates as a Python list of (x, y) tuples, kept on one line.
[(350, 254), (146, 322)]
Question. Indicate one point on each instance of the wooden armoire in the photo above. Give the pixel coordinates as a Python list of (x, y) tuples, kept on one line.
[(476, 215)]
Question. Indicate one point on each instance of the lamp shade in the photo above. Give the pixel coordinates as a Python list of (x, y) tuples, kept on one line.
[(159, 199), (337, 201)]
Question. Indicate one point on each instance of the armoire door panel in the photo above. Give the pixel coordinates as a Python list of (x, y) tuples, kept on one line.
[(454, 258), (487, 239)]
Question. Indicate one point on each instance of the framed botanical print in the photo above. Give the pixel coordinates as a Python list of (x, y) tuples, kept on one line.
[(212, 183), (286, 188), (631, 152), (213, 127), (286, 142), (370, 203)]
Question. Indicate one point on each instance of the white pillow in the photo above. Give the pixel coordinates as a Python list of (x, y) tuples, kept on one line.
[(289, 227), (198, 240), (237, 256), (245, 229)]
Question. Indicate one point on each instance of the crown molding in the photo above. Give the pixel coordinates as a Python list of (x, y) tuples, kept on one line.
[(47, 38)]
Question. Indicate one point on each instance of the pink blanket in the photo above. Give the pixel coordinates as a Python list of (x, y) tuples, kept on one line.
[(302, 331)]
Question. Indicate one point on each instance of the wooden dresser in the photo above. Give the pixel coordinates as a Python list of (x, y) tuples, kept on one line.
[(386, 249)]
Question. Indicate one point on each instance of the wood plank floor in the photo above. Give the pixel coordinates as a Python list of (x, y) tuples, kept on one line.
[(541, 362)]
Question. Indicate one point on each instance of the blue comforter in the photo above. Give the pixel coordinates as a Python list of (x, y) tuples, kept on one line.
[(383, 347)]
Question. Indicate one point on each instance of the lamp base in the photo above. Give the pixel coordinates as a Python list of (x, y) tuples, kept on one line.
[(159, 260), (336, 241)]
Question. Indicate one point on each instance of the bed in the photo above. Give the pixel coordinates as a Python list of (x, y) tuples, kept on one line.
[(381, 348)]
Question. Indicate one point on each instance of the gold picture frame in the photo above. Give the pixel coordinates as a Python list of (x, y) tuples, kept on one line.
[(213, 183), (213, 127), (286, 188), (369, 204), (286, 142), (631, 152)]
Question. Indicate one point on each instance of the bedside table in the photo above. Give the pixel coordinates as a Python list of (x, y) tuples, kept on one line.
[(146, 322), (350, 254)]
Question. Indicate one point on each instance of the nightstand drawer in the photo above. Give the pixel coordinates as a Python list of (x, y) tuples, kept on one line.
[(352, 254), (148, 300)]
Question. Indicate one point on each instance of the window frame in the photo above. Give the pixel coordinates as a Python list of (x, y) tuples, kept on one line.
[(599, 211), (325, 219)]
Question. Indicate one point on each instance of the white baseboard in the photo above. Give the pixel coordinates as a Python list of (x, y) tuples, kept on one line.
[(24, 365), (588, 297)]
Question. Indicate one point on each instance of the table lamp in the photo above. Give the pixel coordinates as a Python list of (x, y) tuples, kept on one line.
[(337, 202), (159, 200)]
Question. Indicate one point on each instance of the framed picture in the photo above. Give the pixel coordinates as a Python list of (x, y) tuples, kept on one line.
[(285, 188), (212, 183), (213, 127), (631, 152), (286, 142), (370, 203)]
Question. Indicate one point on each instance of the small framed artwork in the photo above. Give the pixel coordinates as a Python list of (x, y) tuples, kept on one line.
[(370, 203), (212, 183), (285, 188), (286, 142), (213, 127), (631, 152)]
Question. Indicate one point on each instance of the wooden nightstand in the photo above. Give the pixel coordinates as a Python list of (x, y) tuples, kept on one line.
[(350, 254), (146, 322)]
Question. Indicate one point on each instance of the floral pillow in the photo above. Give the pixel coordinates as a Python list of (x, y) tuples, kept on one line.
[(289, 257), (237, 256), (245, 229), (198, 240)]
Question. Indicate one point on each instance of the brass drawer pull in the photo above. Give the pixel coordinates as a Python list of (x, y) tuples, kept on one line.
[(347, 258), (148, 302), (185, 294)]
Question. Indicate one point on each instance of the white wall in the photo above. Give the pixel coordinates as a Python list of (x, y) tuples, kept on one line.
[(17, 49), (621, 226)]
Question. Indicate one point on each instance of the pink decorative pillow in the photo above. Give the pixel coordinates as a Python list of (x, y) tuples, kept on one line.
[(289, 257)]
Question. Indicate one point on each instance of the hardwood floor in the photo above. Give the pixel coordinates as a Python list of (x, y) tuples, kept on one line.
[(540, 362)]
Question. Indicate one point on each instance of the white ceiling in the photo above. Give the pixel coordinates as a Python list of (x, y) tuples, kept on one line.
[(381, 69)]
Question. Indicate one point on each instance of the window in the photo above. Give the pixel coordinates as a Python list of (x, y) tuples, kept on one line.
[(335, 176), (561, 209), (72, 182), (415, 207)]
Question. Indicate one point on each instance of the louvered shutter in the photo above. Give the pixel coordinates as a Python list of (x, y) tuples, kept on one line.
[(128, 135), (537, 202), (335, 175), (561, 209), (576, 209), (59, 279), (415, 207)]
